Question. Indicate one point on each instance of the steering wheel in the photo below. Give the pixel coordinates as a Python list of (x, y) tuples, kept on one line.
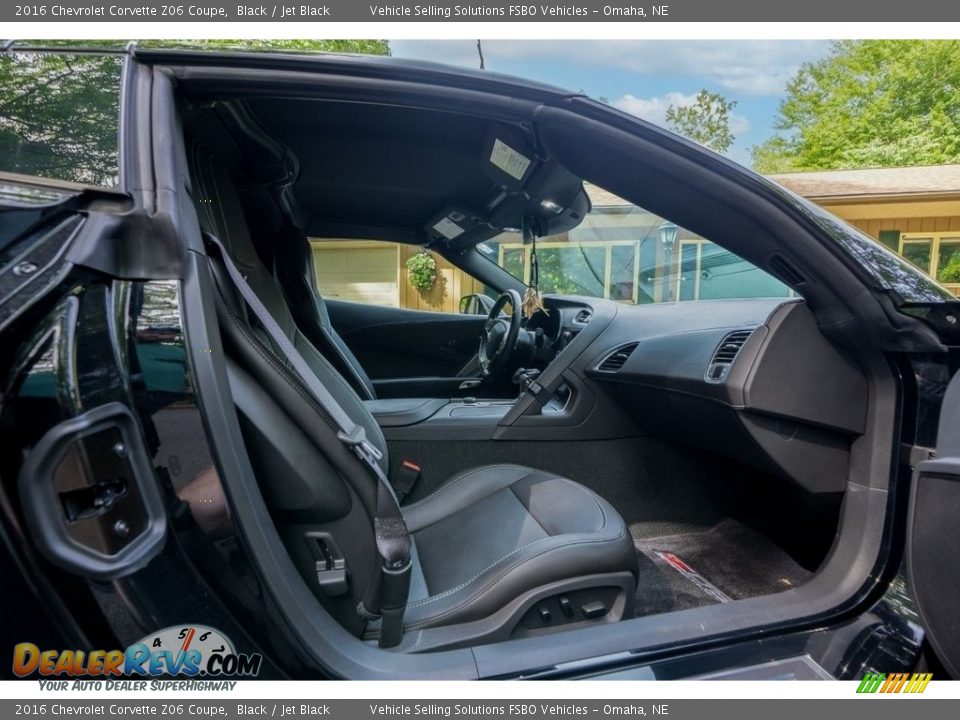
[(499, 337)]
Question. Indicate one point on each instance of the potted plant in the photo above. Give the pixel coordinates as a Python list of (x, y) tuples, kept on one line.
[(422, 271)]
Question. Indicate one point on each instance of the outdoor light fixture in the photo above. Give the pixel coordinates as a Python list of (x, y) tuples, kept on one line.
[(668, 234)]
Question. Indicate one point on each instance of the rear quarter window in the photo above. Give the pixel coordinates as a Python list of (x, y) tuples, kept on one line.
[(59, 116)]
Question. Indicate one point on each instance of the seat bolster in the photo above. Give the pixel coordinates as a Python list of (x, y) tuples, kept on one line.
[(537, 565), (418, 583), (584, 537), (461, 491)]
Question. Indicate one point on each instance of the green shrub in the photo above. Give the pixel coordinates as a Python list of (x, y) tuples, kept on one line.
[(422, 270)]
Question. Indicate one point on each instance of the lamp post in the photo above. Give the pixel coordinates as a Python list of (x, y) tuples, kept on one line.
[(668, 237)]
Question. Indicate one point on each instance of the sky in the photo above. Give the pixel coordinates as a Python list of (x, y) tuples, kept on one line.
[(645, 77)]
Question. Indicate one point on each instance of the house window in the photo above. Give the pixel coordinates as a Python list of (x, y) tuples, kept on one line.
[(937, 254), (374, 272), (617, 253), (709, 272)]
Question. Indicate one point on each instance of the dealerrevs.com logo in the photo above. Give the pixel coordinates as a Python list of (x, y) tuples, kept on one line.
[(191, 651)]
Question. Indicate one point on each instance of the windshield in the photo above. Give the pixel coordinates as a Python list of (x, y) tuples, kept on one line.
[(623, 252), (904, 275)]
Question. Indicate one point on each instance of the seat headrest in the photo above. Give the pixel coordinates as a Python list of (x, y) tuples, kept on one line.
[(219, 207)]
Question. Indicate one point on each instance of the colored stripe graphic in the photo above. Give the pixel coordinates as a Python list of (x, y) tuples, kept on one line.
[(894, 683), (871, 682)]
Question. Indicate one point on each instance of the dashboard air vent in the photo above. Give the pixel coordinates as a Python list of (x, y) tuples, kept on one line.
[(617, 359), (583, 317), (725, 354)]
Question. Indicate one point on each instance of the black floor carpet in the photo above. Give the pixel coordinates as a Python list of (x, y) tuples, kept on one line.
[(702, 566)]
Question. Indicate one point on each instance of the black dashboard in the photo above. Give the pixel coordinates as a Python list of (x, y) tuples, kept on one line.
[(750, 379)]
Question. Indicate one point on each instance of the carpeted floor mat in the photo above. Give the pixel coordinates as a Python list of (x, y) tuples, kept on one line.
[(696, 567)]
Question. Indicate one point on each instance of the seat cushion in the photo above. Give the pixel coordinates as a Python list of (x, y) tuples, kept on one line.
[(493, 533)]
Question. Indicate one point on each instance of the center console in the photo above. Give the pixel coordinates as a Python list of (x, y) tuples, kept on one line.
[(439, 419)]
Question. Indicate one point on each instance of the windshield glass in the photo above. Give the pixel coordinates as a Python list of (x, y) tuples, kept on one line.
[(904, 274), (623, 252)]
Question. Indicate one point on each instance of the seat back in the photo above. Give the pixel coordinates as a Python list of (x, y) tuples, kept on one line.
[(318, 505), (309, 309)]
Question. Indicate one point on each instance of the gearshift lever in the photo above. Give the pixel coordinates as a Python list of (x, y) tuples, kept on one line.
[(524, 377)]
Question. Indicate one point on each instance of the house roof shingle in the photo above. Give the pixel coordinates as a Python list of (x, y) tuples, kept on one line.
[(874, 182)]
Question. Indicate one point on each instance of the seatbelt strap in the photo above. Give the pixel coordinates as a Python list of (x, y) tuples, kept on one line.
[(386, 595)]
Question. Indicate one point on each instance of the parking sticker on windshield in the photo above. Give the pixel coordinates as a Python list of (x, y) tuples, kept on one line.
[(509, 160)]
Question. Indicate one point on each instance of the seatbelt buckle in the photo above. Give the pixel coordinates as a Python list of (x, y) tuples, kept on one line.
[(408, 476)]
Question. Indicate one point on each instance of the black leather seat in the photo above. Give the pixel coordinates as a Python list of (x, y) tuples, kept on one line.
[(492, 547), (310, 312), (493, 533)]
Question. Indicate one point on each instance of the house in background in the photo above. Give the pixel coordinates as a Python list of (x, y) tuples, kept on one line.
[(375, 273), (915, 211), (622, 252)]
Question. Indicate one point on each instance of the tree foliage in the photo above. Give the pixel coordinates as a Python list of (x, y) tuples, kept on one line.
[(361, 47), (59, 116), (706, 121), (59, 111), (870, 103)]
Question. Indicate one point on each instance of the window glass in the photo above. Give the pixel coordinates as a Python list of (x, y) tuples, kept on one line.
[(918, 252), (625, 253), (59, 116), (382, 273), (948, 260)]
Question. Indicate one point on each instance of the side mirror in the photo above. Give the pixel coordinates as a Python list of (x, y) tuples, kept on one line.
[(476, 304)]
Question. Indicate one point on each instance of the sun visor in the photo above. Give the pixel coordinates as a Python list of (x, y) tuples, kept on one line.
[(453, 224)]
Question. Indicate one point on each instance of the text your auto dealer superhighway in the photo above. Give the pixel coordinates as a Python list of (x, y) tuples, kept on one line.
[(137, 11)]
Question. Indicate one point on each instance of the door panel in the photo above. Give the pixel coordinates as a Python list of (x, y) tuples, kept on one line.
[(395, 343)]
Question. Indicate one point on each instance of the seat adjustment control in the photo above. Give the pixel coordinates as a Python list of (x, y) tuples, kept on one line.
[(544, 613), (566, 607), (330, 564), (594, 609)]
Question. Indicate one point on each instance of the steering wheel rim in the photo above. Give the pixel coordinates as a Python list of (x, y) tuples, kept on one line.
[(499, 337)]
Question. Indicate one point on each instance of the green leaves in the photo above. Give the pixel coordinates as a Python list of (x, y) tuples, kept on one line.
[(422, 270), (59, 111), (361, 47), (871, 103), (59, 116), (706, 121)]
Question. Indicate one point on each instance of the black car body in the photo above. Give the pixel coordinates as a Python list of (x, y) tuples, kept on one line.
[(823, 442)]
